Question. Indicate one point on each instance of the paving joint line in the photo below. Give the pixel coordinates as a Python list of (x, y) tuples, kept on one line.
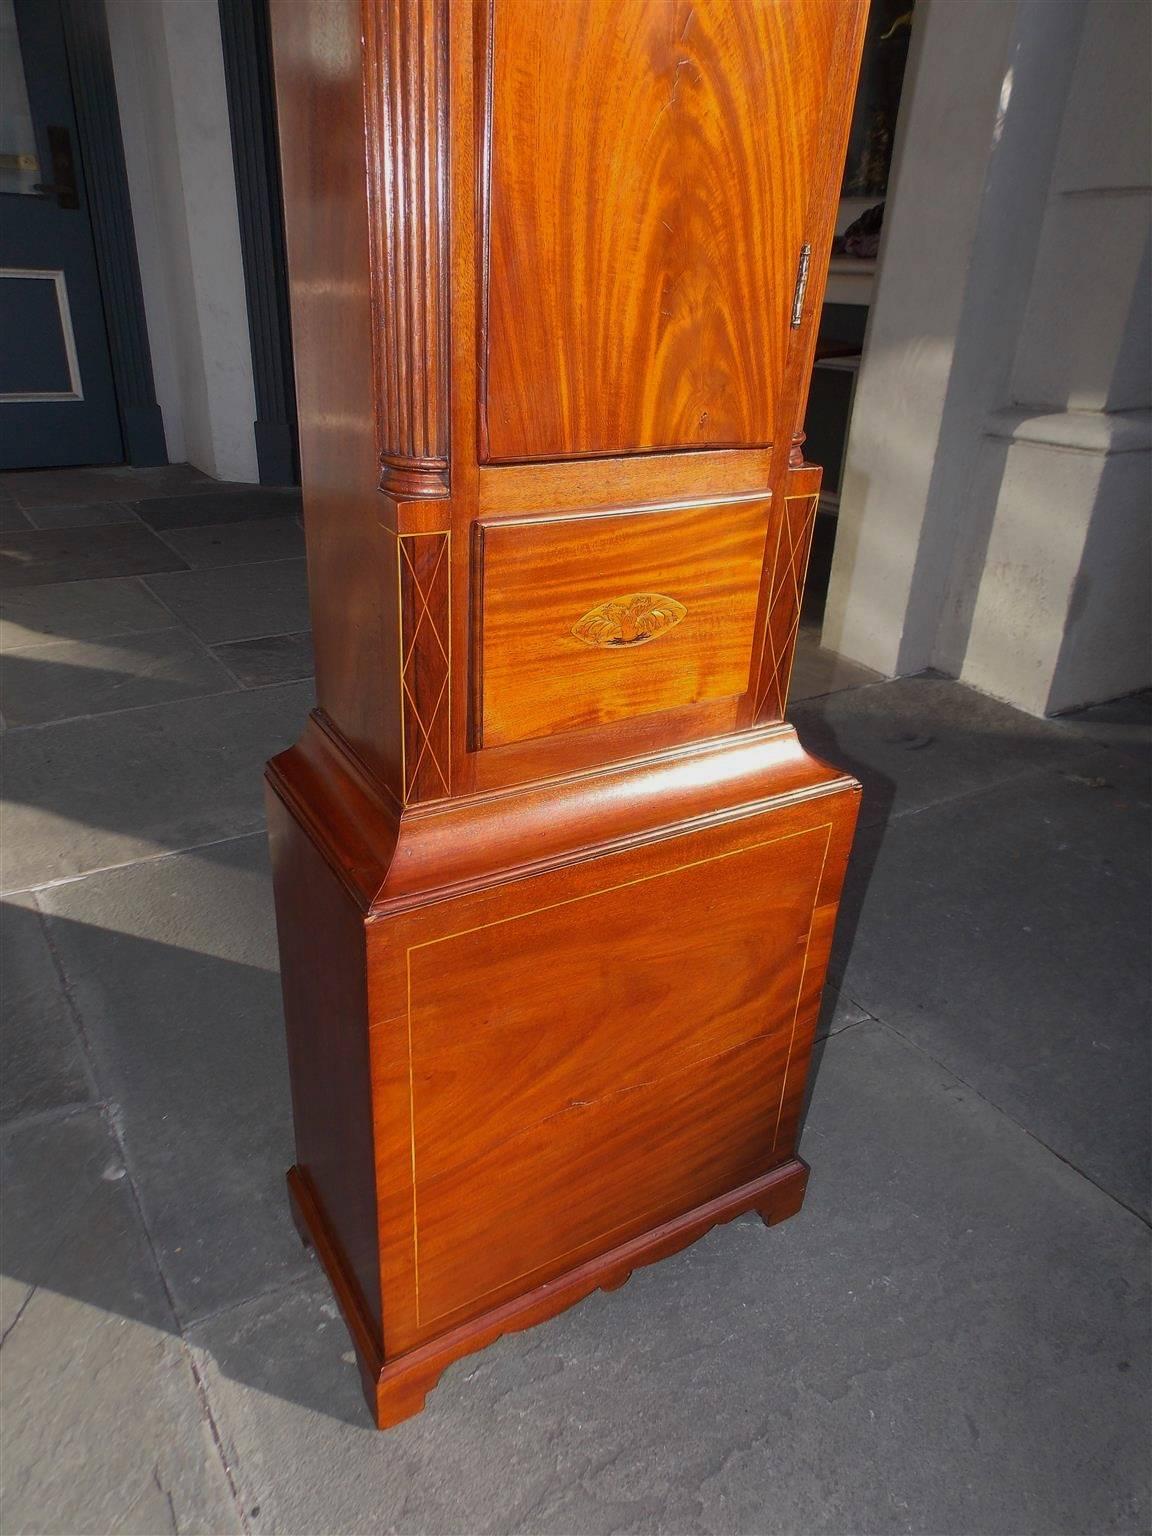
[(130, 709), (4, 1337), (126, 634), (152, 858), (223, 565), (841, 1028), (1012, 1120)]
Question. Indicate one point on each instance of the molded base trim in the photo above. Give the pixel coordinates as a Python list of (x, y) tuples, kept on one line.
[(396, 1389)]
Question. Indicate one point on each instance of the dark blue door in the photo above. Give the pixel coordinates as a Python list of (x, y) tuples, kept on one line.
[(57, 399)]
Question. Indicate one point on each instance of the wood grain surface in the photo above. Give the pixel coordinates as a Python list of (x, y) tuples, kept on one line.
[(537, 580), (647, 165), (574, 1107)]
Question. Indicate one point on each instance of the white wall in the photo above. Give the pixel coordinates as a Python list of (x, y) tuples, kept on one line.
[(174, 117), (1010, 293)]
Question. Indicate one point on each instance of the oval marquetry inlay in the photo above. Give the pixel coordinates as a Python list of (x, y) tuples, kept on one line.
[(629, 620)]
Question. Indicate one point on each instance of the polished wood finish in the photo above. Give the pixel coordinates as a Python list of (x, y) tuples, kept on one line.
[(555, 883), (563, 601), (330, 1070), (352, 577), (646, 185), (508, 489), (570, 1111), (782, 594), (406, 100), (425, 599)]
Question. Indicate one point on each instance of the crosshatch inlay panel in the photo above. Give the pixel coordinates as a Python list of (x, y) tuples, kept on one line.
[(785, 596), (426, 663)]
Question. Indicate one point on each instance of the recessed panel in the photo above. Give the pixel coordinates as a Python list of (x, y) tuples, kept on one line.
[(583, 620), (622, 1060), (37, 350), (644, 186)]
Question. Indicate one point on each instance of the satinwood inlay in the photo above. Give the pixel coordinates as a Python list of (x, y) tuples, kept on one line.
[(629, 620), (785, 593), (426, 664)]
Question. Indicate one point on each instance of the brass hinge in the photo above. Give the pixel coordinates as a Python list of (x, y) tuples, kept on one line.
[(801, 285)]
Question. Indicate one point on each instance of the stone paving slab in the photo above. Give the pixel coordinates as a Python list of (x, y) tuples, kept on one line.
[(837, 1012), (71, 678), (1007, 933), (272, 659), (12, 520), (1123, 724), (952, 1337), (42, 1065), (78, 610), (88, 794), (172, 968), (229, 504), (80, 554), (238, 602), (920, 740), (86, 515), (104, 1427), (239, 543), (35, 488)]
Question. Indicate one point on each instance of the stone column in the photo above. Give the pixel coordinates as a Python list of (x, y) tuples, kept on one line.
[(995, 491)]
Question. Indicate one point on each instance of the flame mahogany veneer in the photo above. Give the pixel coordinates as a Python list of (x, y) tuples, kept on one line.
[(555, 883)]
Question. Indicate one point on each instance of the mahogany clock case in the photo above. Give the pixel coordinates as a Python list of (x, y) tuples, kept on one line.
[(555, 883)]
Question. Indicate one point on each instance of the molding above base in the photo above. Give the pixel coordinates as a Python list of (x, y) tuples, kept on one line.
[(452, 847)]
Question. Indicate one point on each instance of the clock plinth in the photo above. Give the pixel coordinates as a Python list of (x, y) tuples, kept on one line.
[(555, 883)]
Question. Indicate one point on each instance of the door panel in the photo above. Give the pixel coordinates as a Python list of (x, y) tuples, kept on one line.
[(646, 169), (57, 400)]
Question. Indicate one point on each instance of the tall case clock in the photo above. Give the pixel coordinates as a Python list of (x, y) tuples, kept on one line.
[(555, 881)]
